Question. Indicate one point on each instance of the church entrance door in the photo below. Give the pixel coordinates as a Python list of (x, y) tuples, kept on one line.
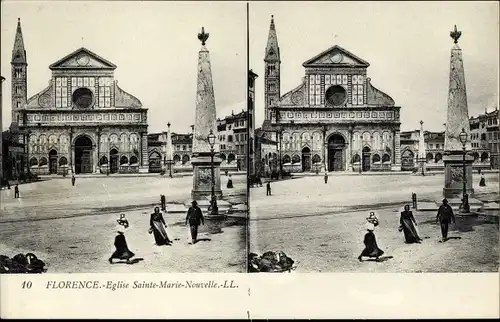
[(83, 155), (113, 160), (366, 158), (53, 162), (306, 159), (336, 146)]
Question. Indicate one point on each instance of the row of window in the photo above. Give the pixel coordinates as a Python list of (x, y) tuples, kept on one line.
[(184, 147), (63, 87)]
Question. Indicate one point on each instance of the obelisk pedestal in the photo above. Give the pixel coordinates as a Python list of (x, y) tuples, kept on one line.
[(456, 120), (205, 120)]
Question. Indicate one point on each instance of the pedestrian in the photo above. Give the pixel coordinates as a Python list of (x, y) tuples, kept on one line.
[(157, 226), (163, 202), (371, 248), (482, 182), (73, 179), (230, 182), (268, 188), (16, 191), (326, 177), (408, 225), (444, 216), (122, 252), (194, 218)]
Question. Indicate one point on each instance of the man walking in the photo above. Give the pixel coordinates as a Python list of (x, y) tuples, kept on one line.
[(326, 177), (16, 191), (163, 202), (73, 179), (444, 216), (268, 188), (194, 217)]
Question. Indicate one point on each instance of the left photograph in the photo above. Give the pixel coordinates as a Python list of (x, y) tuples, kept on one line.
[(124, 137)]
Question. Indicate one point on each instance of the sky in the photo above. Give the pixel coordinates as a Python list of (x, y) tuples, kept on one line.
[(407, 44), (153, 44)]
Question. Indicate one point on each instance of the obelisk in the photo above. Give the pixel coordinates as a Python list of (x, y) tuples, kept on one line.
[(205, 121), (421, 151), (169, 153), (456, 120)]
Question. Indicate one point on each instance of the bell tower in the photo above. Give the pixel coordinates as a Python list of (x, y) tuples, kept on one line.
[(19, 76), (272, 71)]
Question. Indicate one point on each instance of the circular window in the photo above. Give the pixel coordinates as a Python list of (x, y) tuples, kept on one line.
[(83, 97), (336, 95)]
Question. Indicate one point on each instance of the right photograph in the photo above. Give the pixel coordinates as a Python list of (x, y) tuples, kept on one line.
[(374, 137)]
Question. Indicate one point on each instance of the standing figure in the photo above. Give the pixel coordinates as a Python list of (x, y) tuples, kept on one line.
[(268, 188), (194, 217), (444, 216), (157, 226), (16, 191), (371, 248), (122, 252), (73, 179), (482, 182), (122, 221), (372, 219), (409, 226), (230, 182), (163, 202), (326, 177)]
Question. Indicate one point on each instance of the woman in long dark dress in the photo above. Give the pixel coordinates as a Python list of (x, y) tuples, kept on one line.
[(122, 252), (157, 227), (371, 248), (408, 226), (482, 182), (230, 182)]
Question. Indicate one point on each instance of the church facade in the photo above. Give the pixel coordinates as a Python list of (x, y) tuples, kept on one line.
[(82, 122), (335, 119)]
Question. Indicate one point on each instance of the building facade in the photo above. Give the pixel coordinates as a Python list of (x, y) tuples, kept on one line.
[(334, 119), (83, 122), (233, 138), (251, 122), (266, 154), (182, 146)]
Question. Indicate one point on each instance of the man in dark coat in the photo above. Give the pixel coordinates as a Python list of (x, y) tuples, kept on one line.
[(268, 188), (73, 179), (326, 177), (163, 202), (16, 191), (195, 218), (444, 216)]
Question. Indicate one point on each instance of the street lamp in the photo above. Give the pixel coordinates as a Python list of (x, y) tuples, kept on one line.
[(211, 140), (465, 198)]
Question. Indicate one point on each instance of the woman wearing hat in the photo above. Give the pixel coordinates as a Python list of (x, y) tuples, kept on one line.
[(371, 248), (122, 252)]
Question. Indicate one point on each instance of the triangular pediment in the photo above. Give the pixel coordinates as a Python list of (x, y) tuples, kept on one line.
[(82, 59), (336, 56)]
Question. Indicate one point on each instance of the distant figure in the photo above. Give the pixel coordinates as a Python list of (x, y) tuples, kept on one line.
[(122, 251), (16, 191), (409, 226), (73, 179), (157, 226), (268, 188), (371, 248), (482, 182), (444, 216), (194, 218), (230, 182), (163, 202), (326, 177)]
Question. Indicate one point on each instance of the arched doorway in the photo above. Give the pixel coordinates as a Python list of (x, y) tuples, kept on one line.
[(407, 160), (306, 159), (336, 146), (366, 158), (53, 162), (113, 161), (83, 155)]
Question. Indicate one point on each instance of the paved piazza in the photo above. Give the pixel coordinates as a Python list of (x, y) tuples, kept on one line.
[(322, 226), (73, 228)]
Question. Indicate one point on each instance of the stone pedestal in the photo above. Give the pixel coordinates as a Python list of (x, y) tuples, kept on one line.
[(453, 176), (202, 177), (422, 166)]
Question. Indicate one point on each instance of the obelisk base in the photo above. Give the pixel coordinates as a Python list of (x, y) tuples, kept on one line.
[(422, 167), (453, 174), (202, 177)]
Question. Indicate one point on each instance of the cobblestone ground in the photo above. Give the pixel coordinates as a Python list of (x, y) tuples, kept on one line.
[(322, 226), (83, 243)]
